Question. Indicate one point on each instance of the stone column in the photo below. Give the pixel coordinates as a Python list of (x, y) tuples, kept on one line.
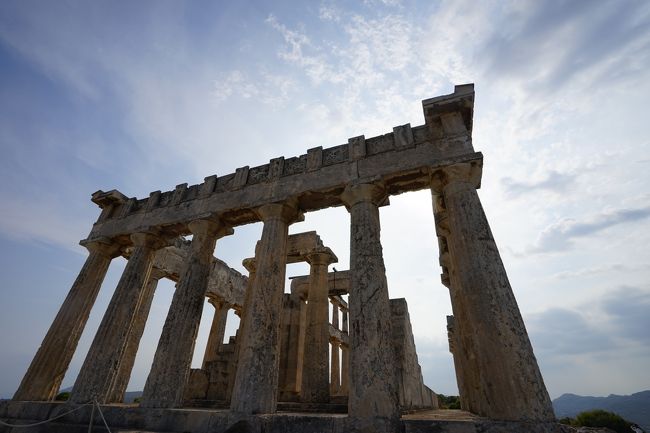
[(171, 366), (45, 373), (99, 370), (335, 315), (344, 313), (256, 382), (251, 267), (373, 403), (315, 373), (217, 330), (345, 369), (510, 381), (464, 345), (133, 342), (335, 372)]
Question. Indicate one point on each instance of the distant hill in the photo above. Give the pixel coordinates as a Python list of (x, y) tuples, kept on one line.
[(634, 408)]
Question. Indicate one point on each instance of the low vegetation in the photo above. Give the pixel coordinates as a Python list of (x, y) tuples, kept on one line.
[(448, 401), (599, 418)]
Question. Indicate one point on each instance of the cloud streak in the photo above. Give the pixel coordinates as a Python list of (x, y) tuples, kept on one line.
[(560, 236)]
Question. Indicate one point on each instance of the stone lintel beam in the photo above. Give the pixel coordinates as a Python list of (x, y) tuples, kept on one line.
[(336, 334), (226, 284), (402, 162), (339, 284), (301, 245)]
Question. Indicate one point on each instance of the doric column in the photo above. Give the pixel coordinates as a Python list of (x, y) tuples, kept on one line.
[(345, 369), (256, 382), (510, 382), (315, 380), (99, 370), (335, 315), (173, 360), (373, 402), (335, 372), (251, 267), (464, 344), (344, 313), (133, 342), (217, 330), (45, 373)]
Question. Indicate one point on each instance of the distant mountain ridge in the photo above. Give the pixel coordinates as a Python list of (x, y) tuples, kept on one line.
[(634, 408)]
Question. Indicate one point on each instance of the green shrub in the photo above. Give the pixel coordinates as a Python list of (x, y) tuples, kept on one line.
[(602, 418), (62, 396), (448, 401), (567, 421)]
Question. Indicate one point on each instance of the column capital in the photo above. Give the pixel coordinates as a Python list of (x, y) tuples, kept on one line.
[(104, 246), (250, 264), (364, 192), (219, 303), (212, 226), (464, 172), (286, 211), (321, 256), (148, 239)]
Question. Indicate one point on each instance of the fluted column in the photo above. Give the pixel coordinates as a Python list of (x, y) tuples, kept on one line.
[(217, 330), (133, 342), (45, 373), (173, 359), (373, 402), (335, 372), (251, 267), (335, 315), (256, 382), (315, 372), (510, 381), (99, 370), (345, 370), (464, 341)]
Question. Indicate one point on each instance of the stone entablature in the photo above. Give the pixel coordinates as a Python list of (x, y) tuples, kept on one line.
[(444, 140)]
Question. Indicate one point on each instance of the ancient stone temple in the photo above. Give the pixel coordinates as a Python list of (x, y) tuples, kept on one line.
[(335, 354)]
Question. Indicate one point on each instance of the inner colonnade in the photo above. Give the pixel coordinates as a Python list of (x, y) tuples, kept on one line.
[(288, 348)]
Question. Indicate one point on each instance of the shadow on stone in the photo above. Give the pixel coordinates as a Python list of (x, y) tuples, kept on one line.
[(242, 426)]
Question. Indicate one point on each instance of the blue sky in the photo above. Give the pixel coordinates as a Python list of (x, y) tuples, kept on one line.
[(141, 96)]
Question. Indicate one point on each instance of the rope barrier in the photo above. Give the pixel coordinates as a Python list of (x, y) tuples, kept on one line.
[(94, 404), (99, 409), (46, 421)]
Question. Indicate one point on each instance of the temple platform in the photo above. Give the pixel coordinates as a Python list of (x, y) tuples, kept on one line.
[(131, 419)]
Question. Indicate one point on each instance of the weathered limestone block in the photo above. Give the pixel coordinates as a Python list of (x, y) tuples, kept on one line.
[(373, 402), (315, 374), (197, 385), (173, 359), (413, 394), (338, 281), (133, 342), (45, 373), (510, 382), (256, 382), (99, 370)]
